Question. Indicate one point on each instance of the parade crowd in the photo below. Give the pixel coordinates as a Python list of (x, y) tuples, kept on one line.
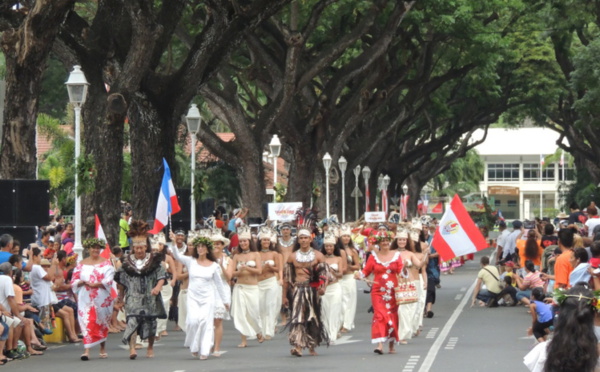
[(300, 277)]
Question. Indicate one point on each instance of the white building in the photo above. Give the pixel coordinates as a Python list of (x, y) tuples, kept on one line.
[(511, 179)]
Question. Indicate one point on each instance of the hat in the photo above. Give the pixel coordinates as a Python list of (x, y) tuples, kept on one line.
[(265, 233), (394, 217), (6, 268), (402, 233), (158, 239), (562, 215), (414, 234), (517, 224), (509, 264), (304, 231), (180, 232), (329, 238), (45, 262), (218, 237), (383, 226), (138, 232), (345, 230), (244, 233), (236, 211), (285, 225), (425, 219), (51, 239), (416, 224), (502, 223)]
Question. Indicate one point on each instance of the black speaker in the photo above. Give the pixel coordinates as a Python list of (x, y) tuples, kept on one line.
[(24, 202), (207, 206), (25, 234)]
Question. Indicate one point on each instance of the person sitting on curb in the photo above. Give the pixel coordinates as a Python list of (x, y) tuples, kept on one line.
[(489, 276)]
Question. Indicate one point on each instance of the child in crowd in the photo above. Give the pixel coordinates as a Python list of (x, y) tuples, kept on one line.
[(508, 296), (541, 314), (510, 272)]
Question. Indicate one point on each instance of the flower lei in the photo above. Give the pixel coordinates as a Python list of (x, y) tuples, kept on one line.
[(72, 259), (91, 242), (202, 240), (381, 235), (560, 296)]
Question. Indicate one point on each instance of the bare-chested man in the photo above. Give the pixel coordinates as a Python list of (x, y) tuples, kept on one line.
[(286, 245), (307, 274)]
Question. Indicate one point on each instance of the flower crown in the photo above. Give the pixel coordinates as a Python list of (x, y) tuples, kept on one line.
[(560, 296), (91, 242), (72, 259), (203, 240), (383, 235)]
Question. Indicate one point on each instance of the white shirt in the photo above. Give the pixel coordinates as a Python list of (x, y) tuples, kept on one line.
[(501, 239), (510, 243), (42, 289), (6, 290), (591, 223)]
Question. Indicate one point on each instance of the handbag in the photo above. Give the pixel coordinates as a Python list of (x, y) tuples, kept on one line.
[(406, 291)]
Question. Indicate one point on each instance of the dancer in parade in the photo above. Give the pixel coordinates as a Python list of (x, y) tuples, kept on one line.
[(331, 307), (308, 274), (422, 254), (140, 280), (183, 277), (412, 267), (245, 308), (269, 286), (221, 312), (205, 284), (159, 246), (92, 282), (385, 264), (286, 244), (347, 281)]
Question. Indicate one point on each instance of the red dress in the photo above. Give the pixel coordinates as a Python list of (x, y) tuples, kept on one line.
[(383, 297)]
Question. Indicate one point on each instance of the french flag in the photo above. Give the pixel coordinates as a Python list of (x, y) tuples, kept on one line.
[(167, 201), (100, 235), (457, 234)]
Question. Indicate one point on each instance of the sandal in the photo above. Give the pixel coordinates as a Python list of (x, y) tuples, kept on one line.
[(3, 361), (103, 355), (378, 351), (295, 352), (84, 357)]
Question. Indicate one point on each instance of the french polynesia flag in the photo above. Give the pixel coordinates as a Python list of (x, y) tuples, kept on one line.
[(167, 201), (457, 234), (100, 235)]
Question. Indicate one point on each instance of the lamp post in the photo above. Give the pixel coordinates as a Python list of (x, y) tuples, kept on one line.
[(366, 172), (384, 194), (327, 165), (426, 190), (356, 176), (77, 86), (379, 188), (193, 120), (343, 163), (404, 201), (275, 147)]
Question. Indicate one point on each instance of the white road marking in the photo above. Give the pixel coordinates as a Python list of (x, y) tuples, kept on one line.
[(435, 348), (458, 296), (463, 289), (345, 340), (432, 332), (412, 362), (451, 343)]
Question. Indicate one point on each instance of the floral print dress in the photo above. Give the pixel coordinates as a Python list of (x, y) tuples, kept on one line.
[(385, 318)]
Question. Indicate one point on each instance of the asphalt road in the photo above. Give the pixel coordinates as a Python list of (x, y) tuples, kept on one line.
[(458, 338)]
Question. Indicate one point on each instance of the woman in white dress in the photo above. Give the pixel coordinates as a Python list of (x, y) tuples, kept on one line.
[(159, 245), (245, 308), (347, 282), (331, 302), (422, 253), (269, 288), (205, 284), (221, 313)]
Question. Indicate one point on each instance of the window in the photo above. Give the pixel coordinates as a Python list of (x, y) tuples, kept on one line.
[(503, 172), (511, 203), (531, 172), (497, 203), (569, 173)]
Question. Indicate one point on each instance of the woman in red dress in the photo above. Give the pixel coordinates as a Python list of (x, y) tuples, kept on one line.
[(385, 264)]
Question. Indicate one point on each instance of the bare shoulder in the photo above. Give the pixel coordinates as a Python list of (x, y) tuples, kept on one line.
[(320, 256)]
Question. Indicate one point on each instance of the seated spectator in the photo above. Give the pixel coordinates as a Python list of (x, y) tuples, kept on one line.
[(508, 295), (488, 276), (34, 346), (526, 285), (579, 262), (509, 268), (595, 250)]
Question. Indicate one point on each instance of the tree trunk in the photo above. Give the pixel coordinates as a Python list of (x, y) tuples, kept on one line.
[(414, 192), (251, 176), (26, 50), (103, 139), (300, 183)]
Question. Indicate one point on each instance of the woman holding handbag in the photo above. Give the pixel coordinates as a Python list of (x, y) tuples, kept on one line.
[(385, 265)]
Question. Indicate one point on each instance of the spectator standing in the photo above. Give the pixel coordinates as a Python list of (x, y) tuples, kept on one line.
[(576, 215), (579, 262), (593, 220), (501, 240), (562, 266)]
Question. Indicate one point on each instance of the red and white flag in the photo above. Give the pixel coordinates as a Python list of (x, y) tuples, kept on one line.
[(367, 199), (167, 201), (100, 235), (384, 202), (542, 160), (457, 234)]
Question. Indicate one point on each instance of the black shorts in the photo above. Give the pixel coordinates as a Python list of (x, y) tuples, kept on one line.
[(63, 303)]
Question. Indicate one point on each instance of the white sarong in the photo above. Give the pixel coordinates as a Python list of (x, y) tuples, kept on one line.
[(348, 284), (182, 309), (245, 310), (166, 292), (406, 319), (269, 304), (331, 307), (422, 292)]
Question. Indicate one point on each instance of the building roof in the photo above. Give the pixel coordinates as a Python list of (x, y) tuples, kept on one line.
[(44, 144), (517, 141)]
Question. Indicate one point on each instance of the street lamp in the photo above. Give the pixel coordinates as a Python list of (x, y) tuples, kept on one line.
[(379, 188), (384, 194), (77, 87), (356, 175), (327, 165), (275, 147), (366, 172), (193, 120), (343, 163)]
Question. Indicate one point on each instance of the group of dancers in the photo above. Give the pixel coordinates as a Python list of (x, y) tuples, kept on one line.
[(267, 279)]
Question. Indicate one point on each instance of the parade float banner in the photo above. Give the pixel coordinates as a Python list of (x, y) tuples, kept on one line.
[(282, 212), (457, 234), (375, 216)]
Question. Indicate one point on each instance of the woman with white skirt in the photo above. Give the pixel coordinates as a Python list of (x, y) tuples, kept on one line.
[(245, 308), (158, 245), (422, 253), (221, 313), (269, 288), (331, 302), (205, 284), (347, 282)]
